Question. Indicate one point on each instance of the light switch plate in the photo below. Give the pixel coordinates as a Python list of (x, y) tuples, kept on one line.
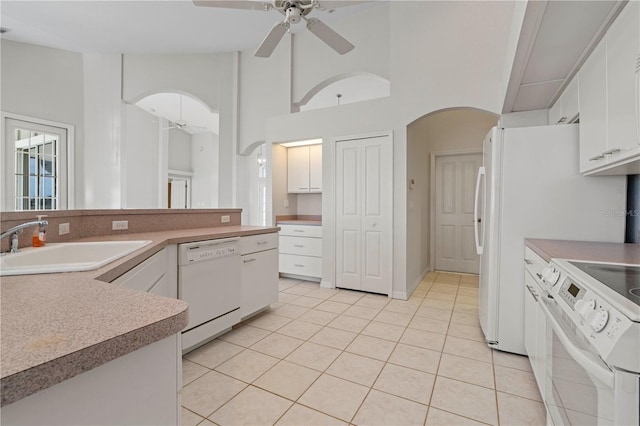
[(119, 225), (63, 229), (225, 219)]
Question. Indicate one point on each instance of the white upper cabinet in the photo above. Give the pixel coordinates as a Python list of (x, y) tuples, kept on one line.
[(567, 107), (304, 169), (609, 95)]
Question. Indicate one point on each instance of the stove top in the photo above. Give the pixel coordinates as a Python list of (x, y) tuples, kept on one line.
[(623, 279)]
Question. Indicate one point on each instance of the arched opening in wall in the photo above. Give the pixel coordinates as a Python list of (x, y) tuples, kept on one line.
[(444, 153), (345, 89), (174, 136)]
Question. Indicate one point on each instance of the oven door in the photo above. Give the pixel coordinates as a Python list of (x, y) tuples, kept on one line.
[(579, 387)]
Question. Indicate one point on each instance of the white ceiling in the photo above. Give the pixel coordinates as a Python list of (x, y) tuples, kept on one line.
[(555, 39), (124, 26)]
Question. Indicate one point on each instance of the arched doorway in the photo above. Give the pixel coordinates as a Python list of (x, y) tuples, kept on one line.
[(443, 133)]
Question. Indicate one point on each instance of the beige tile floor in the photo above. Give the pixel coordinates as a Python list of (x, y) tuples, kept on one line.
[(336, 357)]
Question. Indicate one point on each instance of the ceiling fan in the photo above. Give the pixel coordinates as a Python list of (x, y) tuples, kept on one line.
[(294, 11), (182, 124)]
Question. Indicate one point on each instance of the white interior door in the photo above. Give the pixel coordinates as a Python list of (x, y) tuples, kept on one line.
[(454, 204), (364, 183)]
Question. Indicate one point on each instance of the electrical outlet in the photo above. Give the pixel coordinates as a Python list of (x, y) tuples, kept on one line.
[(286, 203), (225, 219), (120, 225), (63, 229)]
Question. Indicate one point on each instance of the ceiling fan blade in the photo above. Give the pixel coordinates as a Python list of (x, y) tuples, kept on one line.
[(333, 4), (235, 4), (271, 40), (330, 37)]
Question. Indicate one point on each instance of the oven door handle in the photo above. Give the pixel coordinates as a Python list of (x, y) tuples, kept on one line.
[(594, 368)]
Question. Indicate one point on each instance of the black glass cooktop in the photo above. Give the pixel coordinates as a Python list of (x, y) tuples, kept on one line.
[(624, 280)]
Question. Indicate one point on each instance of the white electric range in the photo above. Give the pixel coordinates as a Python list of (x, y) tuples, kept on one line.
[(593, 341)]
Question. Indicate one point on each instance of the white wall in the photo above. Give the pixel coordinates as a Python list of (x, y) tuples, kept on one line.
[(141, 160), (103, 113), (264, 91), (315, 62), (277, 192), (309, 204), (45, 83), (179, 151), (205, 160)]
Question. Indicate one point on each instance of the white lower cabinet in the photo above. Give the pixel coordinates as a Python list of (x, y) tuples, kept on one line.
[(140, 388), (301, 251), (158, 274), (535, 323), (259, 254)]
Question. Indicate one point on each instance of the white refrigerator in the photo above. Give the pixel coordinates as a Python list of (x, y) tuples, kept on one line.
[(530, 187)]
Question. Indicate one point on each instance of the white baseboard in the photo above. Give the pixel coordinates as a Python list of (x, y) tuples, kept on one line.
[(326, 284), (402, 295)]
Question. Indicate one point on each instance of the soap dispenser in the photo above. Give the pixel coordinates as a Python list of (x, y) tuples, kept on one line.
[(39, 237)]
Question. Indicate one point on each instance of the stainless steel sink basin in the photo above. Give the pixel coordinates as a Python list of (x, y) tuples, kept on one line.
[(66, 257)]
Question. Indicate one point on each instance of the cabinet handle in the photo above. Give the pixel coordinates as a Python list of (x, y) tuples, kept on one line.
[(562, 120), (249, 260), (262, 242), (298, 265), (538, 275), (303, 188), (597, 157), (298, 230), (611, 151), (528, 262), (315, 187), (533, 292), (298, 245)]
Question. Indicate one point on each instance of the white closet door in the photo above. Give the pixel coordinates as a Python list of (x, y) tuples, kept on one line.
[(364, 182), (455, 189)]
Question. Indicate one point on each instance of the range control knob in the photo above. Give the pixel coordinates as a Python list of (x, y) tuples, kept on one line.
[(550, 275), (598, 319), (584, 306)]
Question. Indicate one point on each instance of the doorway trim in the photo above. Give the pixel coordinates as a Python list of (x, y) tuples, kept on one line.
[(432, 197), (71, 164)]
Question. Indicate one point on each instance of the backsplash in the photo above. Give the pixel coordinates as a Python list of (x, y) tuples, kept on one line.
[(93, 223)]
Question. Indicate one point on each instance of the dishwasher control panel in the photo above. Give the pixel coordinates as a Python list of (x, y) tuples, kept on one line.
[(207, 250)]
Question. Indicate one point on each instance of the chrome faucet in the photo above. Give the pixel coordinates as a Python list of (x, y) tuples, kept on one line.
[(13, 232)]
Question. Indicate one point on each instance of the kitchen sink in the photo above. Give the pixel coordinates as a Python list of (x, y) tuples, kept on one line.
[(66, 257)]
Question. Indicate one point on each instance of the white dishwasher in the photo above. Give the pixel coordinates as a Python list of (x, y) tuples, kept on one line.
[(209, 280)]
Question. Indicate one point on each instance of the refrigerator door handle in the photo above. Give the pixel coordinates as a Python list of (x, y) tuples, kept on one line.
[(476, 219)]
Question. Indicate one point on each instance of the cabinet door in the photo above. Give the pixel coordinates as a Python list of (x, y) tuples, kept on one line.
[(570, 102), (315, 168), (555, 112), (298, 169), (259, 281), (593, 109), (622, 91)]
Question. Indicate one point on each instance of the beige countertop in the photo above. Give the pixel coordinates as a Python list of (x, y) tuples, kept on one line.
[(56, 326), (584, 250)]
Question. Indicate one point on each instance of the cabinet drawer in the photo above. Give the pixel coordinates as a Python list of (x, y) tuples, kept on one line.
[(256, 243), (301, 245), (301, 265), (301, 230)]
